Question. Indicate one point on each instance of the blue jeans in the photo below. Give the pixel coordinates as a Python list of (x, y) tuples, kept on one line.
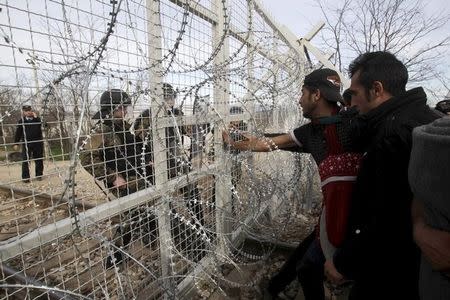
[(310, 272)]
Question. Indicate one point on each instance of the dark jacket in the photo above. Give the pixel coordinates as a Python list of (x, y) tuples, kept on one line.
[(312, 137), (379, 252), (176, 162), (28, 130)]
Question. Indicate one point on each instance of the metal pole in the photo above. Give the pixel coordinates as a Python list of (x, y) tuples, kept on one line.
[(154, 31), (221, 105)]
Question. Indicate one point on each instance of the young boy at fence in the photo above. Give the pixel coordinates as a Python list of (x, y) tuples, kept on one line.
[(113, 155), (327, 134)]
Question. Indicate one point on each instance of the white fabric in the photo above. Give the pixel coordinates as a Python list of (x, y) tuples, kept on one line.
[(337, 178)]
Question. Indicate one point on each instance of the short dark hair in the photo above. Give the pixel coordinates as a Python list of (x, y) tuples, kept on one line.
[(347, 96), (380, 66)]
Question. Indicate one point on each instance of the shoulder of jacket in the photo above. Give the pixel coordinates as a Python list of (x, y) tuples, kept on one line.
[(100, 134), (397, 130), (408, 119)]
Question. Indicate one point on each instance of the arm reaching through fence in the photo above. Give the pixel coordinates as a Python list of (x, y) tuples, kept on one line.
[(254, 144)]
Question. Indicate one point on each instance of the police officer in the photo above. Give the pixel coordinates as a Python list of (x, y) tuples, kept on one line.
[(114, 155), (143, 131), (29, 131), (174, 135), (177, 162)]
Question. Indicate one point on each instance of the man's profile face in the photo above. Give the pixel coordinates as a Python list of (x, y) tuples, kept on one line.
[(306, 102), (359, 97)]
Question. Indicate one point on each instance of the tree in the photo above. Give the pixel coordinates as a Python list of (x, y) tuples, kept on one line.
[(399, 26)]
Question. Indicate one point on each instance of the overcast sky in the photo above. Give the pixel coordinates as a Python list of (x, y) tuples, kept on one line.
[(301, 15)]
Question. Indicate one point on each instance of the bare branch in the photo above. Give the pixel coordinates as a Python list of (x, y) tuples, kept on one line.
[(399, 26)]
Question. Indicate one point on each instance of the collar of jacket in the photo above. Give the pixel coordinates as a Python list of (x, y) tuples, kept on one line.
[(413, 97), (327, 120), (365, 126)]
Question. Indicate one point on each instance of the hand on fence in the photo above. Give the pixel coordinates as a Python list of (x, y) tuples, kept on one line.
[(226, 138), (238, 139)]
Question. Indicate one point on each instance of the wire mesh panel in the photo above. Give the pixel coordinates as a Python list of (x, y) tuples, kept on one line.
[(114, 179)]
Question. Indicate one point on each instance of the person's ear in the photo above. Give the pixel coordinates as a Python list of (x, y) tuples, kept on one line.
[(377, 89), (316, 95)]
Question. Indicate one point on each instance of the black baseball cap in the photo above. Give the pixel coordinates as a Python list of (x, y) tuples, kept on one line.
[(26, 107), (327, 81)]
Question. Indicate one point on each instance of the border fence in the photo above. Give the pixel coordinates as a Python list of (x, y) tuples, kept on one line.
[(188, 202)]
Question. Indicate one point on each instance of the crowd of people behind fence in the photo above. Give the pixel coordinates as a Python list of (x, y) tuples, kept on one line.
[(382, 231)]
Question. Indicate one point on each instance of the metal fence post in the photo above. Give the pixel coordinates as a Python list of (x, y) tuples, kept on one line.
[(154, 30), (221, 104)]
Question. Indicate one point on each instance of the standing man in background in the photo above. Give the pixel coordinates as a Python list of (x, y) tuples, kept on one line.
[(177, 162), (29, 132)]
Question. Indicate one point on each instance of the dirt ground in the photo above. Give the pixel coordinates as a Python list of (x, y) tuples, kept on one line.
[(53, 180), (255, 272)]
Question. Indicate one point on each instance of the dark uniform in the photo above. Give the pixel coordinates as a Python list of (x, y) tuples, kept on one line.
[(113, 151), (29, 131), (178, 164)]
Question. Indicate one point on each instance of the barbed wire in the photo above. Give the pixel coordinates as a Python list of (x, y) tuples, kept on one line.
[(253, 74)]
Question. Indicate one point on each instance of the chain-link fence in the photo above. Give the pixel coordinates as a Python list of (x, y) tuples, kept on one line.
[(115, 183)]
